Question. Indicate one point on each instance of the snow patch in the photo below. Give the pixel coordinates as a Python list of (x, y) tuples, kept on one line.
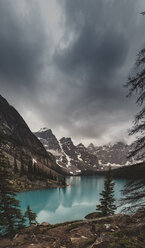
[(54, 152), (34, 161), (79, 157), (128, 163), (44, 129), (67, 157)]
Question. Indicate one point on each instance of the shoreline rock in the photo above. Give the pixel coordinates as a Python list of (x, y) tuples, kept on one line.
[(115, 231)]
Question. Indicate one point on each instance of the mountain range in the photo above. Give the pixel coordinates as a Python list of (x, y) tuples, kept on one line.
[(80, 159), (112, 154), (53, 156), (71, 159)]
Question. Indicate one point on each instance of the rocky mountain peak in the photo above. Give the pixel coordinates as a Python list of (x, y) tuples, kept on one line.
[(68, 147), (112, 154), (48, 139), (91, 146), (64, 140), (44, 129), (119, 145), (81, 147), (72, 159)]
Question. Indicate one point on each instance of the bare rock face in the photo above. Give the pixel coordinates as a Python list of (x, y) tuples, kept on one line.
[(78, 160), (73, 160), (14, 129), (19, 142), (114, 155), (48, 139)]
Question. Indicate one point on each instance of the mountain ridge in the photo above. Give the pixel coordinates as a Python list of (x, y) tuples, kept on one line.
[(71, 159), (97, 157), (21, 145)]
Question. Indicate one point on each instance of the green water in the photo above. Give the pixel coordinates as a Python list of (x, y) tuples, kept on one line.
[(70, 203)]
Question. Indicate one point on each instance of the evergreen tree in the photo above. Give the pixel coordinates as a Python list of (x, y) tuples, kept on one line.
[(136, 85), (30, 167), (30, 215), (35, 171), (64, 181), (15, 166), (11, 219), (107, 206), (134, 191), (22, 166), (50, 174)]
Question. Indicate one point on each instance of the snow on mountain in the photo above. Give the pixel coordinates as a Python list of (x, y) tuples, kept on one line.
[(72, 159), (114, 155), (77, 159), (43, 129)]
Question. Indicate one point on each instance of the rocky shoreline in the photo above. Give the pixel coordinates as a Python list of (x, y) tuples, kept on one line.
[(115, 231)]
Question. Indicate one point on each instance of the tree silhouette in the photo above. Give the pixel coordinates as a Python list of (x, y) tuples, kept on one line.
[(107, 206), (15, 166), (11, 218), (30, 215), (134, 191)]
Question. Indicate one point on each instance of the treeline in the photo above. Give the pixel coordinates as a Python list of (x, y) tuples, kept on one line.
[(33, 171), (11, 218)]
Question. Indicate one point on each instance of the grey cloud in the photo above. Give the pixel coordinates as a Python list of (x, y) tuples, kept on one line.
[(22, 43), (76, 87)]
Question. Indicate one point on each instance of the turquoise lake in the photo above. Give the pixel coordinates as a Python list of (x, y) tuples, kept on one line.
[(71, 203)]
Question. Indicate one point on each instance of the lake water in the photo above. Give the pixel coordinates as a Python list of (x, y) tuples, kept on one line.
[(70, 203)]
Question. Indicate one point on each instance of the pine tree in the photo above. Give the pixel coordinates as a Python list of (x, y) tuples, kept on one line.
[(35, 171), (11, 218), (64, 180), (50, 174), (30, 215), (134, 191), (15, 166), (136, 86), (107, 206), (30, 167), (22, 166)]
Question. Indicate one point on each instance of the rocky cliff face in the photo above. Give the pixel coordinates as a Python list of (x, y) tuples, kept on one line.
[(71, 159), (114, 155), (14, 129), (80, 159), (48, 139), (19, 142)]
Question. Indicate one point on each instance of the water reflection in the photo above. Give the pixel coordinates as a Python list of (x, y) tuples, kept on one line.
[(70, 203)]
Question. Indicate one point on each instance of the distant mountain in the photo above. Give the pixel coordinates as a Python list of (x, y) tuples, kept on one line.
[(84, 160), (20, 143), (114, 155), (71, 159), (134, 172)]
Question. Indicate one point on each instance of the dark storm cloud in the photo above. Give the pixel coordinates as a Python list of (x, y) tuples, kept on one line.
[(70, 75), (22, 43), (102, 36)]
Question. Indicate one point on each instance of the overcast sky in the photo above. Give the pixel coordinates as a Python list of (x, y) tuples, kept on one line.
[(63, 64)]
